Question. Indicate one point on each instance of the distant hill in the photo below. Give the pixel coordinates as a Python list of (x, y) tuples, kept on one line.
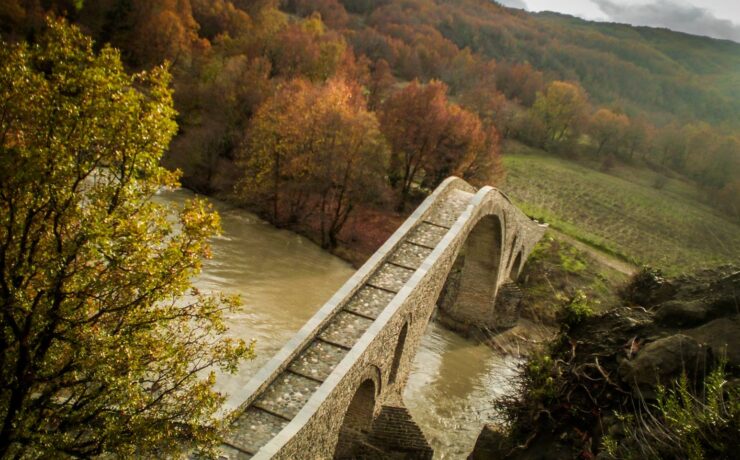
[(689, 69), (661, 72)]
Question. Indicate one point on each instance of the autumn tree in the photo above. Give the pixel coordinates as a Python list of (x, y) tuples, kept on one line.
[(105, 347), (332, 12), (380, 84), (216, 17), (520, 82), (671, 146), (493, 108), (638, 136), (162, 30), (306, 49), (561, 108), (428, 136), (216, 103), (607, 129), (462, 142), (313, 150)]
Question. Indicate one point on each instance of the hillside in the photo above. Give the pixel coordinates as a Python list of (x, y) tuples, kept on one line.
[(622, 213), (658, 71)]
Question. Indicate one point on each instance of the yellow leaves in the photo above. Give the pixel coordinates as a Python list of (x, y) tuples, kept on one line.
[(560, 107), (102, 281)]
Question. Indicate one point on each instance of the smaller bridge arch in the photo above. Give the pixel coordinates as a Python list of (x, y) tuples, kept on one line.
[(398, 353), (516, 267), (357, 422)]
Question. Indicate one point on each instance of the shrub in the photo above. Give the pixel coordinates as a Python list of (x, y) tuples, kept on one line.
[(576, 309), (682, 423)]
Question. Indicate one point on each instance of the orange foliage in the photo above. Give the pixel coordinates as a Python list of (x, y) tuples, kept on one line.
[(431, 138)]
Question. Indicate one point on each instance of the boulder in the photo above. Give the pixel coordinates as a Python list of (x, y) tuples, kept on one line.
[(662, 361), (679, 313), (723, 336), (492, 442)]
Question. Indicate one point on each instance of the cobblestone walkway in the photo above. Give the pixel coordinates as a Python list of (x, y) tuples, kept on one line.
[(288, 393)]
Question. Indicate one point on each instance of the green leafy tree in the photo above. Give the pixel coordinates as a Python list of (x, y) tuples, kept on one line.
[(561, 108), (104, 345)]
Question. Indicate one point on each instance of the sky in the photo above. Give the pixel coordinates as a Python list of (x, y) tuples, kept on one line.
[(713, 18)]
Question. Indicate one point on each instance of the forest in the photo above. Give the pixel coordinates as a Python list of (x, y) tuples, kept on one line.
[(317, 112)]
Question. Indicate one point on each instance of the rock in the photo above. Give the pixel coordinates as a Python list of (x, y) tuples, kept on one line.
[(663, 360), (723, 336), (491, 443), (725, 296), (682, 313)]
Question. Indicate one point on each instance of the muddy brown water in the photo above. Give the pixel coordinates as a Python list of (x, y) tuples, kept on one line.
[(283, 279)]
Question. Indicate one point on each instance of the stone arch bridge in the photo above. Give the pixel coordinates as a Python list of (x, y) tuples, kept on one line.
[(334, 390)]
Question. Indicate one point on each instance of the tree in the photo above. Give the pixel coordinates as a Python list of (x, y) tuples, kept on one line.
[(163, 30), (463, 141), (381, 82), (607, 128), (427, 134), (313, 150), (414, 121), (561, 108), (306, 49), (638, 136), (520, 82), (101, 350)]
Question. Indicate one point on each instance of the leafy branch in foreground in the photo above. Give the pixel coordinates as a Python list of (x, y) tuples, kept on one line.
[(105, 347)]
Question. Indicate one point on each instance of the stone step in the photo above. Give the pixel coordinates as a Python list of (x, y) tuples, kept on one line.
[(317, 360), (252, 430), (390, 277), (369, 301), (448, 210), (227, 452), (508, 300), (426, 235), (409, 255), (510, 291), (345, 329), (396, 432), (286, 395)]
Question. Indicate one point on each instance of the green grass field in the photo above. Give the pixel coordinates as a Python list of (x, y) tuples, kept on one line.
[(621, 212)]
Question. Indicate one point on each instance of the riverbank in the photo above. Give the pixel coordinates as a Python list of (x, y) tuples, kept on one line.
[(366, 229), (557, 270), (657, 376), (630, 211)]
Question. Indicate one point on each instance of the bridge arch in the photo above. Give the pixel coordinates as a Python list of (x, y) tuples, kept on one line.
[(398, 353), (359, 415), (470, 289), (516, 267), (357, 422)]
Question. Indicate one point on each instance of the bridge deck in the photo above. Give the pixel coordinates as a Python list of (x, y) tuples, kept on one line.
[(290, 391)]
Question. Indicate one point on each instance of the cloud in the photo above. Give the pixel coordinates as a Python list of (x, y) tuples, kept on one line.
[(681, 17), (513, 4)]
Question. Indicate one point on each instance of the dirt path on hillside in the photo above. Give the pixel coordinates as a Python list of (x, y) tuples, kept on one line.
[(601, 257)]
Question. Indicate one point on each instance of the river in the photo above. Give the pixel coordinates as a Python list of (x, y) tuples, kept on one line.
[(283, 279)]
